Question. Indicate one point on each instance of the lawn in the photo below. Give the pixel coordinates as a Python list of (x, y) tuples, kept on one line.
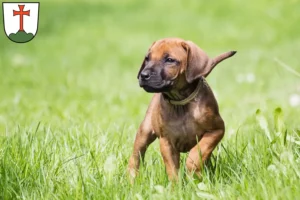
[(70, 102)]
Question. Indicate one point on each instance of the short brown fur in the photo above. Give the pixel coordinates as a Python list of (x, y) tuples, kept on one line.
[(195, 127)]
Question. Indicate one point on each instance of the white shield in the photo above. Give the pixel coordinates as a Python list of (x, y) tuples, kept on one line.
[(21, 20)]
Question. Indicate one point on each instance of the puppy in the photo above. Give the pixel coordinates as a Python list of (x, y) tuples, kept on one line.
[(183, 112)]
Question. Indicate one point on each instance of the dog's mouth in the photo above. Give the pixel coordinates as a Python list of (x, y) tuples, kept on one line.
[(154, 87)]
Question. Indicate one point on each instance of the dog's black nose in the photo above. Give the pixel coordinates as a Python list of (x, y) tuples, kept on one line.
[(145, 75)]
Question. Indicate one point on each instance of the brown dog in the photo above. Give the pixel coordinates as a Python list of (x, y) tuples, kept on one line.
[(183, 113)]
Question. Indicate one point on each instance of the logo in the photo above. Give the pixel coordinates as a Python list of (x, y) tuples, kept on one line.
[(20, 20)]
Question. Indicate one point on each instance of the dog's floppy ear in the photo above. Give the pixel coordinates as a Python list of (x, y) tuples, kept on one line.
[(198, 63), (144, 62)]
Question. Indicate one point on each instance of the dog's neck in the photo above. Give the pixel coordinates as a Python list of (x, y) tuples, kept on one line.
[(184, 95)]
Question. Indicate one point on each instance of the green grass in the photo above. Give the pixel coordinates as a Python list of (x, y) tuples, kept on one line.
[(70, 102)]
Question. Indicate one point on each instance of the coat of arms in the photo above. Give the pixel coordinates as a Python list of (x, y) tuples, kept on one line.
[(20, 20)]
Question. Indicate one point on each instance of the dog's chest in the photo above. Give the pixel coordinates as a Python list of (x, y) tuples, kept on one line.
[(183, 128)]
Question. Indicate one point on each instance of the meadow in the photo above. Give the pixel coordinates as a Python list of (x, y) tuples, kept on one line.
[(70, 103)]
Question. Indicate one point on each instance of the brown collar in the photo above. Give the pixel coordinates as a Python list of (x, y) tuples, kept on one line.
[(189, 98)]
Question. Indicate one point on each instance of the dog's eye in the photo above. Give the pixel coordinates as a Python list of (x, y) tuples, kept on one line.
[(171, 60), (146, 58)]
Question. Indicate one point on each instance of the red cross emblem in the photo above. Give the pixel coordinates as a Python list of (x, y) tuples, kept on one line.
[(21, 20), (21, 13)]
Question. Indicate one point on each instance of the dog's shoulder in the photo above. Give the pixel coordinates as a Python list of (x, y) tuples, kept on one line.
[(206, 99)]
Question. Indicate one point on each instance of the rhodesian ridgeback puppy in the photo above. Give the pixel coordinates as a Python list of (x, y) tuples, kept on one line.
[(183, 113)]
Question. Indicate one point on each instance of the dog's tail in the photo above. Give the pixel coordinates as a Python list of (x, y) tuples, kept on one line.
[(222, 57)]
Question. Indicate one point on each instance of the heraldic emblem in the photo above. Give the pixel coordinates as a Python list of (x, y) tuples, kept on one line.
[(20, 20)]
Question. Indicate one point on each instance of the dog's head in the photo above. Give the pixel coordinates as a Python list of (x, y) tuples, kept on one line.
[(173, 60)]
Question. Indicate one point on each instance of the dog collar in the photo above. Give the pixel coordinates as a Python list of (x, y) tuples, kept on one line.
[(189, 98)]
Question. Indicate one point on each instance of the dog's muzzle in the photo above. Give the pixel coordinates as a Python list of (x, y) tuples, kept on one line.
[(145, 75), (152, 82)]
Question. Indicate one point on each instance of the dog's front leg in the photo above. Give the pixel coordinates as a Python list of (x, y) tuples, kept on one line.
[(171, 158), (202, 151), (144, 137)]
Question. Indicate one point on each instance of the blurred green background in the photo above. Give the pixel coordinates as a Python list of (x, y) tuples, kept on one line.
[(83, 63), (80, 70)]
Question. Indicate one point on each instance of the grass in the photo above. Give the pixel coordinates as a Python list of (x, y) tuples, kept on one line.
[(70, 102)]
